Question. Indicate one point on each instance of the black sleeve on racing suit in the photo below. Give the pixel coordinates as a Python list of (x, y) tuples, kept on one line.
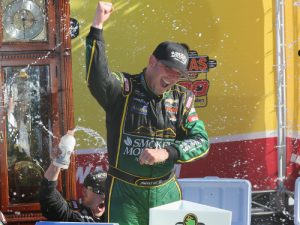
[(54, 207), (104, 85), (173, 153)]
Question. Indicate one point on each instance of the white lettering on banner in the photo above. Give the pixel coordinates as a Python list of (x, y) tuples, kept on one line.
[(295, 158), (81, 173)]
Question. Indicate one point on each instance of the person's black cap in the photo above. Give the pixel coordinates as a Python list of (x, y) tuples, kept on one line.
[(95, 182), (173, 55)]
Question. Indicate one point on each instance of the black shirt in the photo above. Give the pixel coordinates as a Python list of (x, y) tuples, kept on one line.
[(55, 208)]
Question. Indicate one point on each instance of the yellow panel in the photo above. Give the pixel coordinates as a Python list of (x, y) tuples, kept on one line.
[(292, 66), (238, 34)]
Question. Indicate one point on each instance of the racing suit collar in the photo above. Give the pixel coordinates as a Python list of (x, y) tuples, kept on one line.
[(149, 91)]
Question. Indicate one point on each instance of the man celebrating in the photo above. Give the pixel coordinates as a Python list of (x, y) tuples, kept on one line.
[(151, 125), (54, 207)]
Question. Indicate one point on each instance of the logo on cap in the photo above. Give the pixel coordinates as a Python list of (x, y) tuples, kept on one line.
[(173, 54), (179, 57)]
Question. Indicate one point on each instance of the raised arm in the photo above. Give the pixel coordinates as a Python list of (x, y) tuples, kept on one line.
[(53, 205), (104, 85)]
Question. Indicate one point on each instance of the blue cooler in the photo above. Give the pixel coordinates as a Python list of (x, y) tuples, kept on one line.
[(224, 193)]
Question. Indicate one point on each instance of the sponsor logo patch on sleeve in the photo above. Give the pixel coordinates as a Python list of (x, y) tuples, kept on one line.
[(126, 85), (193, 118), (193, 110), (189, 102)]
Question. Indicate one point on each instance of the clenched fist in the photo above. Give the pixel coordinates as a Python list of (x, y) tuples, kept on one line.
[(103, 11)]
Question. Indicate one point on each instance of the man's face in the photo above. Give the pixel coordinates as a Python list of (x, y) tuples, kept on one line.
[(160, 77), (93, 200)]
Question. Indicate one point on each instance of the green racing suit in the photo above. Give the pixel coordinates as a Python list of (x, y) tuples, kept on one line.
[(137, 119)]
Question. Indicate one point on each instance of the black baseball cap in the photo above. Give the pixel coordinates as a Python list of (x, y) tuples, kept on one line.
[(95, 182), (173, 55)]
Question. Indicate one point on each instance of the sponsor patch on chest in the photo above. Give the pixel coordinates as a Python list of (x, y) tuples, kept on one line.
[(171, 107), (139, 106)]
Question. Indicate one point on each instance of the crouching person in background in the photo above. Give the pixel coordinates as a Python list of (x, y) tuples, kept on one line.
[(54, 207)]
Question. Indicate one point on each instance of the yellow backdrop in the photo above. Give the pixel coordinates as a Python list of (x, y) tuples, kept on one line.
[(238, 34)]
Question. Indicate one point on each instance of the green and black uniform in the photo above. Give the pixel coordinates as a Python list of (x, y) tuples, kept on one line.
[(137, 119)]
